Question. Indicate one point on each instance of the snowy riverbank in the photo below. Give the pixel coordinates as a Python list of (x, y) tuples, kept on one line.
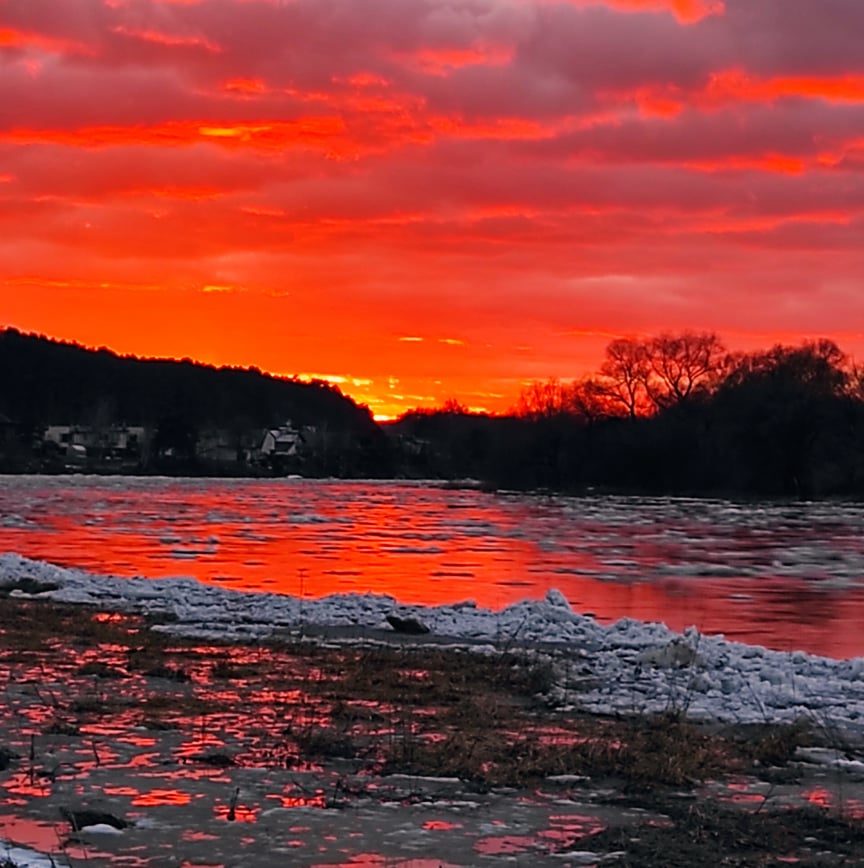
[(627, 666)]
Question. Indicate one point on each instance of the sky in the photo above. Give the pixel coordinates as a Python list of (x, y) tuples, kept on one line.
[(430, 199)]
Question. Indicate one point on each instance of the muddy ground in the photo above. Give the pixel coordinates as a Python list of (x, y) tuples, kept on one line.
[(122, 745)]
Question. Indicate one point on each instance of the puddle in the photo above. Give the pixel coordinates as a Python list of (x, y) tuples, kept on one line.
[(505, 845), (838, 802), (248, 757), (42, 836)]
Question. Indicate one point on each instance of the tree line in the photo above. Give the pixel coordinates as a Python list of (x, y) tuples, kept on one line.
[(673, 413)]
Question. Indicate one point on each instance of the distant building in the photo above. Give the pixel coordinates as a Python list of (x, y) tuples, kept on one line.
[(281, 443), (102, 443), (226, 447)]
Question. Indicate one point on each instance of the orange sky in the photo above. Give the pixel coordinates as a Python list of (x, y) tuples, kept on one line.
[(426, 199)]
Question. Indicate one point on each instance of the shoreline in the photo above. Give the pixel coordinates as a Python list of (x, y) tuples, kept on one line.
[(306, 751), (628, 663), (461, 483)]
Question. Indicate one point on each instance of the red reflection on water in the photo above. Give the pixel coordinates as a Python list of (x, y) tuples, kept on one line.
[(239, 813), (739, 791), (316, 801), (377, 860), (23, 784), (431, 545), (157, 798), (197, 835), (441, 826), (42, 836), (819, 797), (47, 838), (107, 618), (505, 845), (572, 827)]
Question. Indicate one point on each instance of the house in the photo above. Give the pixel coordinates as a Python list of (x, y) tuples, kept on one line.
[(285, 441), (109, 443), (226, 447), (281, 448)]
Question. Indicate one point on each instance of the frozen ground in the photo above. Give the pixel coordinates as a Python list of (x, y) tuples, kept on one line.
[(290, 753), (629, 666)]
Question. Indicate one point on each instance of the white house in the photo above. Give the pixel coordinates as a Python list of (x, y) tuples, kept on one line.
[(117, 438), (285, 441)]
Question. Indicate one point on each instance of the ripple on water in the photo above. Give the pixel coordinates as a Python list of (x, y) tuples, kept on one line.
[(802, 564)]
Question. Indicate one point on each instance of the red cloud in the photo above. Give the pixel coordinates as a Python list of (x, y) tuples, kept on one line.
[(685, 10), (509, 173)]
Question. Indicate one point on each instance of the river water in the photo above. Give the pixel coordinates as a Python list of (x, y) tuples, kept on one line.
[(787, 575)]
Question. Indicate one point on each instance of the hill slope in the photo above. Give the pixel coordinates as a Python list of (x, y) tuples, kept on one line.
[(44, 381)]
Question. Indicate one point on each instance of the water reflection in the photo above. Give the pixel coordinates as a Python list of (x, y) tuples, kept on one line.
[(784, 575)]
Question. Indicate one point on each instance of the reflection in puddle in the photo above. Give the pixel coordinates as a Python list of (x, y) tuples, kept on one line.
[(224, 760), (375, 860), (237, 813), (315, 801), (819, 797), (569, 828), (441, 826), (154, 798), (745, 792), (41, 836), (505, 845), (195, 835), (31, 833)]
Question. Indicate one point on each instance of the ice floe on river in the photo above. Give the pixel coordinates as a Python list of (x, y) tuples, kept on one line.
[(628, 666)]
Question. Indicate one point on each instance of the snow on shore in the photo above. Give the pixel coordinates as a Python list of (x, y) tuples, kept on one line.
[(629, 666)]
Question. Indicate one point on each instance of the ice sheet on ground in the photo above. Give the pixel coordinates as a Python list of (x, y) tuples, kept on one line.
[(22, 857)]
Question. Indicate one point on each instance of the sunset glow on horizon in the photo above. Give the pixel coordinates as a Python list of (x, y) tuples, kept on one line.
[(428, 199)]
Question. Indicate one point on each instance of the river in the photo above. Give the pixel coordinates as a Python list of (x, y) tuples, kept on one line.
[(785, 575)]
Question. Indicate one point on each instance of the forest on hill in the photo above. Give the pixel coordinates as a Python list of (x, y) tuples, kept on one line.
[(46, 381), (182, 411)]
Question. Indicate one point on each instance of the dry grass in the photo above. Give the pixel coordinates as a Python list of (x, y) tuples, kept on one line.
[(640, 752), (418, 709), (421, 710), (710, 834)]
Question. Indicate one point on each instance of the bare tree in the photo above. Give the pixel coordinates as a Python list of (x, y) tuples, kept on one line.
[(542, 400), (625, 373), (589, 400), (455, 407), (683, 365), (856, 382)]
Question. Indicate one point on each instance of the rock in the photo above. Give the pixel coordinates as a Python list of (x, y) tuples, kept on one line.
[(101, 829), (408, 626), (215, 759), (169, 673), (83, 818)]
